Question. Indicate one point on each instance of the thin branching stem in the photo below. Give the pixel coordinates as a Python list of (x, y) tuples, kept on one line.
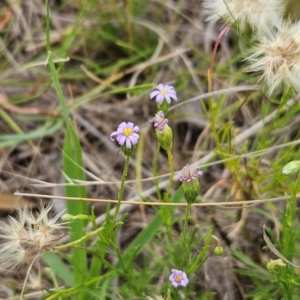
[(120, 194), (171, 164)]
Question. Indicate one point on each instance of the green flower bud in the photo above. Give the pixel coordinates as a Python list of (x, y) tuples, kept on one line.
[(190, 184), (165, 138), (272, 264), (191, 190), (163, 132), (219, 251), (68, 217), (291, 168)]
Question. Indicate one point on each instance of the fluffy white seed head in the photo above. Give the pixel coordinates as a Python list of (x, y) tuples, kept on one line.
[(277, 56), (27, 233), (260, 14)]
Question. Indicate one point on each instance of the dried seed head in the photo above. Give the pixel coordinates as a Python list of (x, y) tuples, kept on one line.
[(260, 14), (277, 56), (27, 233)]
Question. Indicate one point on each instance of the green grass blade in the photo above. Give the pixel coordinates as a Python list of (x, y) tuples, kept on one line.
[(73, 168), (60, 269), (47, 129), (148, 233), (72, 158)]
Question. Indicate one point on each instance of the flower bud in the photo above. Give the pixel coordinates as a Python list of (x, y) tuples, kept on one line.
[(291, 168), (165, 138), (68, 217), (190, 184), (163, 132), (219, 251), (191, 190), (272, 264)]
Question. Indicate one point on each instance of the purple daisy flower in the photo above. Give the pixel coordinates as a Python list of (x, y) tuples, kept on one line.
[(189, 173), (163, 91), (126, 133), (178, 278)]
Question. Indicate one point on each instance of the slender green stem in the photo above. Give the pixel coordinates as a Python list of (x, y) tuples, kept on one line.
[(120, 194), (76, 289), (170, 160), (289, 233), (86, 236), (165, 210), (53, 278), (201, 257), (126, 274), (217, 240), (155, 172), (186, 221), (288, 229)]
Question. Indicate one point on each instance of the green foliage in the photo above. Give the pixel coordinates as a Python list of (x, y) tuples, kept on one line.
[(248, 137)]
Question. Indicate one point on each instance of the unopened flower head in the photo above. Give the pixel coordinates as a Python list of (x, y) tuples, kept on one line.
[(163, 131), (163, 92), (273, 264), (277, 56), (190, 183), (291, 168), (219, 250), (189, 173), (28, 233), (178, 278), (159, 121), (126, 134), (260, 14)]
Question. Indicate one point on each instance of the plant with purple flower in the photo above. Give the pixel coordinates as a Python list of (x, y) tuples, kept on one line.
[(163, 94), (189, 173), (178, 278), (164, 136), (126, 135), (163, 91), (163, 131)]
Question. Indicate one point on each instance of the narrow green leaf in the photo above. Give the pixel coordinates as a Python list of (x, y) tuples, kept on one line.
[(59, 267), (47, 129), (147, 234), (73, 168), (72, 161)]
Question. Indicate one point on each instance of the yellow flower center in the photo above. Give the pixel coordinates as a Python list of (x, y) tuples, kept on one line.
[(127, 131), (178, 278), (164, 92)]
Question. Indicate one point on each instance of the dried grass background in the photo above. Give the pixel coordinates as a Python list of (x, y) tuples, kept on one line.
[(183, 45)]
